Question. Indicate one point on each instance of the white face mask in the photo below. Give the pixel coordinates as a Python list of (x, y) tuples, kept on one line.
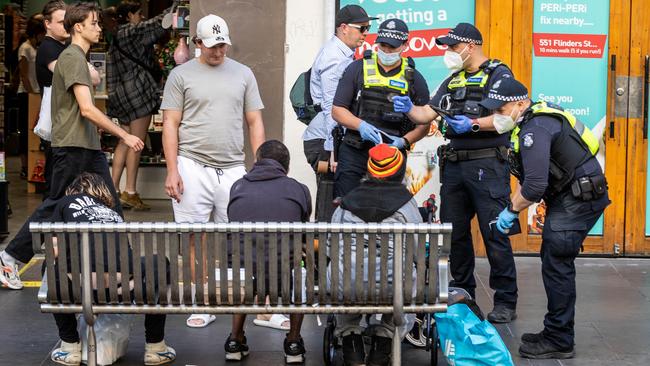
[(454, 61), (504, 123), (388, 59)]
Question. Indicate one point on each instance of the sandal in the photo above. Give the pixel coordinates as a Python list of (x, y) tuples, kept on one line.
[(206, 319), (275, 322)]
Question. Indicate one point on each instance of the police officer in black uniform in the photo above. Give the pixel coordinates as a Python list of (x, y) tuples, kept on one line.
[(553, 156), (363, 104), (474, 168)]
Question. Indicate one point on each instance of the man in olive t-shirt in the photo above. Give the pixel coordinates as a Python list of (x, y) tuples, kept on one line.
[(75, 139)]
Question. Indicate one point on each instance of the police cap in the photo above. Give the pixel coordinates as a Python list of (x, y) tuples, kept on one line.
[(464, 32), (393, 32), (503, 91)]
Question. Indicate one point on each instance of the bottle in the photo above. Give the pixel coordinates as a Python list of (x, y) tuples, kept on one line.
[(182, 52)]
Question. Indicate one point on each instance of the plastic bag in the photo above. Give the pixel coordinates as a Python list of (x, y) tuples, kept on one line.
[(111, 335), (465, 340), (43, 128)]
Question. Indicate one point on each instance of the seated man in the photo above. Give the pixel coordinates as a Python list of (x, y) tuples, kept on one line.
[(266, 194), (88, 199), (382, 198)]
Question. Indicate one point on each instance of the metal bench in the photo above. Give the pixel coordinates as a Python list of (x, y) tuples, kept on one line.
[(80, 295)]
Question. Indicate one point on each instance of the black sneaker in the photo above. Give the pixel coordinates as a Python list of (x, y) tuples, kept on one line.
[(294, 351), (380, 351), (501, 314), (353, 350), (235, 350), (544, 349), (532, 337)]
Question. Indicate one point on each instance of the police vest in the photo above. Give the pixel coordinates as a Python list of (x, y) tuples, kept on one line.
[(573, 147), (374, 103), (465, 93)]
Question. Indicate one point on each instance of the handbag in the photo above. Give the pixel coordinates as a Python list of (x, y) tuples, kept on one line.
[(155, 72), (43, 128)]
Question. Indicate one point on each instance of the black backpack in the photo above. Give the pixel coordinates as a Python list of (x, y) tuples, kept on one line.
[(301, 100)]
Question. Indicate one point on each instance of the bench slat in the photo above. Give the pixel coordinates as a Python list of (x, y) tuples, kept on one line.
[(309, 265), (198, 242), (359, 267), (124, 265), (322, 266), (99, 244), (236, 264), (75, 267), (222, 251), (187, 263), (112, 268), (161, 252), (335, 264), (433, 269), (383, 263), (136, 242), (347, 268), (148, 268), (297, 269), (421, 268), (407, 264), (273, 268), (248, 268), (261, 283), (212, 261), (62, 262), (372, 269), (286, 269), (173, 267)]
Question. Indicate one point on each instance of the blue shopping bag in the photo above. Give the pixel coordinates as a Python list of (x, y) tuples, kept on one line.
[(465, 340)]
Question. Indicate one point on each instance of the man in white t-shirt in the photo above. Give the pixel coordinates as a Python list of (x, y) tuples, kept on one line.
[(203, 105)]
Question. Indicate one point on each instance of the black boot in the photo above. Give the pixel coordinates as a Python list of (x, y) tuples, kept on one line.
[(380, 351), (502, 314), (532, 337), (544, 349), (353, 350)]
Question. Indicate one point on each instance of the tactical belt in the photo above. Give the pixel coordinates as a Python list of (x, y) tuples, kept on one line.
[(452, 155)]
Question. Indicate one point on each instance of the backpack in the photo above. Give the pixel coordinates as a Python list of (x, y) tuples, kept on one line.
[(301, 101)]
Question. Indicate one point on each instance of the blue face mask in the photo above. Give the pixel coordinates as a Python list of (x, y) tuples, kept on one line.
[(388, 59)]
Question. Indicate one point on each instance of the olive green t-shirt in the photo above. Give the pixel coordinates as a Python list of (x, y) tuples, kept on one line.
[(69, 128)]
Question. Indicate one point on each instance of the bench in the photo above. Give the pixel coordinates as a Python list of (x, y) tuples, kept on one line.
[(425, 292)]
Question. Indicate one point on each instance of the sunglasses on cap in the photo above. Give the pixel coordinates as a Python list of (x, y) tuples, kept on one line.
[(361, 28)]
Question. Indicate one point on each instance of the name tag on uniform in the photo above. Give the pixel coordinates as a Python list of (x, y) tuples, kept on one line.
[(397, 84), (475, 80)]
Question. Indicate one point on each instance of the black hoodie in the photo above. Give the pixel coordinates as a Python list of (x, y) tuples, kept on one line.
[(266, 194)]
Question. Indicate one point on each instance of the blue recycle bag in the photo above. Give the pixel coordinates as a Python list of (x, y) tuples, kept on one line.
[(465, 340)]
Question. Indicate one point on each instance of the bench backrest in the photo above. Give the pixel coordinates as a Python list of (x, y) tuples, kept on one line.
[(230, 269)]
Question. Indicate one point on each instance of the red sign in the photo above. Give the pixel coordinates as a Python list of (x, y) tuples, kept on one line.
[(421, 43), (569, 45)]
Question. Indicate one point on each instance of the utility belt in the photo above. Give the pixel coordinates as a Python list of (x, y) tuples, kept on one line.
[(589, 188), (447, 153), (353, 139)]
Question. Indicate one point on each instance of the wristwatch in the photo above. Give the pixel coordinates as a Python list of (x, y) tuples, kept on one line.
[(407, 144), (475, 126), (512, 209)]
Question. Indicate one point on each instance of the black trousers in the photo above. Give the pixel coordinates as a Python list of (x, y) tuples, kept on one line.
[(315, 152), (566, 226), (67, 164), (478, 187), (154, 327)]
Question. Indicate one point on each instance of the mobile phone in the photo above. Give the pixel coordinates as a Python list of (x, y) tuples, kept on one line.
[(442, 112)]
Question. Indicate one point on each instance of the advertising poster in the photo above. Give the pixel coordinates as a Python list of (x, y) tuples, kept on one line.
[(427, 20), (570, 47)]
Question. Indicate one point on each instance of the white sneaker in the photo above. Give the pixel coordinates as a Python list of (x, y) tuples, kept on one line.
[(158, 353), (9, 274), (68, 354)]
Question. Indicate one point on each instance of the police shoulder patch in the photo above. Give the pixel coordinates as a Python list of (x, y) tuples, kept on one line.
[(528, 140)]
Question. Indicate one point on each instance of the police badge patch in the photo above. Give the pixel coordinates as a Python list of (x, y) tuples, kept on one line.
[(528, 139)]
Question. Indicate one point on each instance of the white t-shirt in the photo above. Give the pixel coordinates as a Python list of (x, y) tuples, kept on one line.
[(213, 100), (27, 51)]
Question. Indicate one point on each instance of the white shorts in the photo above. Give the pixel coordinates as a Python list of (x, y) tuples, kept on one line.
[(206, 191)]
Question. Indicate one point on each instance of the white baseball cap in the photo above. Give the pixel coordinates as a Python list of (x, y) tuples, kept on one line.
[(212, 30)]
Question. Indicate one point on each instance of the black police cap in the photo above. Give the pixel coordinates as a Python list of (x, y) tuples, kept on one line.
[(352, 14), (393, 32), (503, 91), (464, 32)]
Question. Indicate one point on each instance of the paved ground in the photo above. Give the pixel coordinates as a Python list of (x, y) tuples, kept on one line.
[(612, 322)]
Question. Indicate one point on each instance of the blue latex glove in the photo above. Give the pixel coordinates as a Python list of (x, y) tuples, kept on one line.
[(398, 142), (460, 124), (505, 220), (402, 104), (369, 132)]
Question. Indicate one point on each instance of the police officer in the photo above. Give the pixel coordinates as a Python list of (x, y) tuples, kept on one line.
[(474, 168), (553, 156), (363, 104)]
